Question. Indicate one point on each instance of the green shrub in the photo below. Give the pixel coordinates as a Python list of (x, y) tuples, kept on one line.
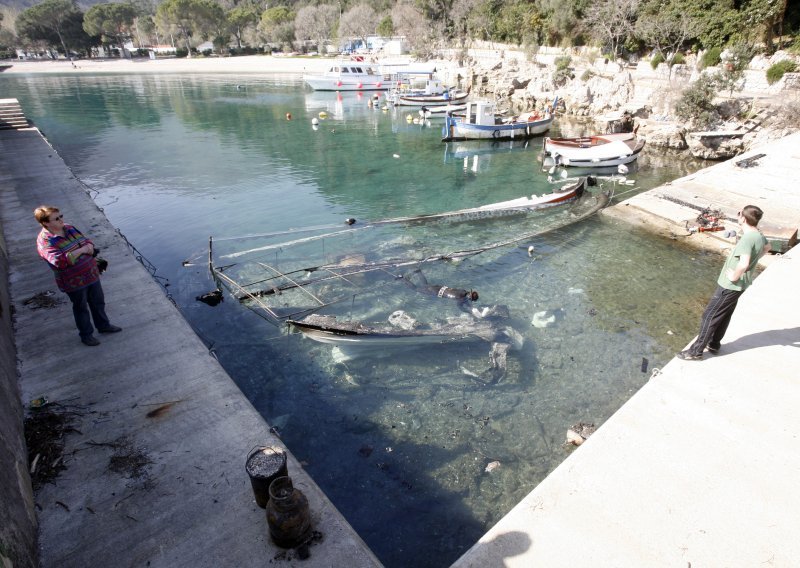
[(696, 103), (656, 60), (562, 62), (207, 52), (181, 52), (711, 57), (588, 74), (677, 59), (776, 71)]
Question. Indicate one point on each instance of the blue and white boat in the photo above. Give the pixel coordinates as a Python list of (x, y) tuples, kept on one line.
[(481, 122)]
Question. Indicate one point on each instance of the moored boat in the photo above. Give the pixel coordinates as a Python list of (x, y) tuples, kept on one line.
[(351, 75), (481, 122), (594, 151)]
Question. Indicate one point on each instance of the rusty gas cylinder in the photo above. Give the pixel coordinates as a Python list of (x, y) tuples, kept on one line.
[(288, 515)]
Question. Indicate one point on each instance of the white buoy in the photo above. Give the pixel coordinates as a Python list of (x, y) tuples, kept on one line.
[(622, 169), (530, 250), (315, 121), (395, 155)]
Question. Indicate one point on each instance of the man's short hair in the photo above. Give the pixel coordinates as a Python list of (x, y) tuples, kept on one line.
[(752, 215)]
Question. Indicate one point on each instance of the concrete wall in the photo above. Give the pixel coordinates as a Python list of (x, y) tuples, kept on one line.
[(17, 516)]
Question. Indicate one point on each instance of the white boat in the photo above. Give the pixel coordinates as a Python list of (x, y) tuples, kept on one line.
[(351, 75), (441, 111), (431, 94), (481, 122), (594, 151)]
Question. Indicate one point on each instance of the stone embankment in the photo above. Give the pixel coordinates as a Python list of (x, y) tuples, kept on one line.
[(614, 95)]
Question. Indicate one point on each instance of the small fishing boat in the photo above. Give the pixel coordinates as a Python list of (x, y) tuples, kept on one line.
[(427, 112), (482, 122), (594, 151), (350, 76)]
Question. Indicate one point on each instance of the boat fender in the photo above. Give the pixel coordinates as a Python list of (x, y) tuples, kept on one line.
[(349, 221), (359, 85), (496, 134), (378, 84), (338, 83)]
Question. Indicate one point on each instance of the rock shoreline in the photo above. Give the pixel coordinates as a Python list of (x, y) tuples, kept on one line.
[(613, 97)]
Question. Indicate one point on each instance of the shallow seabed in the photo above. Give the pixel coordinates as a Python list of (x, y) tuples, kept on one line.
[(400, 441)]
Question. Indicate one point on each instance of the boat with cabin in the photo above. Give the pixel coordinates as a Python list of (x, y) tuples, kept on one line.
[(482, 122)]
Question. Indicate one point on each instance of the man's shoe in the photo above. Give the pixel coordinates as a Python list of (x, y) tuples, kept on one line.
[(713, 350), (90, 341), (688, 356), (110, 329)]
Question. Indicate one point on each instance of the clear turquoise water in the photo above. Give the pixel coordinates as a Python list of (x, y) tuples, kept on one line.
[(399, 440)]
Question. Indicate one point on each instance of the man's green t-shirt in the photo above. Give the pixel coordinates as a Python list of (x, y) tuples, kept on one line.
[(752, 242)]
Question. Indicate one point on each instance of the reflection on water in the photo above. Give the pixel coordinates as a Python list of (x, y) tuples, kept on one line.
[(400, 441)]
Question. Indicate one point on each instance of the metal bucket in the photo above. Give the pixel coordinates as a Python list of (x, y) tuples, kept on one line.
[(265, 464)]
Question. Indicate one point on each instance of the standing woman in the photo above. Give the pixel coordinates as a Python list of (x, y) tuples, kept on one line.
[(71, 256)]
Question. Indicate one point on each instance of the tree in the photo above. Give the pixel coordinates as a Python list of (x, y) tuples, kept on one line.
[(110, 20), (190, 18), (239, 19), (611, 22), (316, 23), (48, 21), (764, 17), (359, 21), (666, 27), (277, 25), (410, 22), (385, 27)]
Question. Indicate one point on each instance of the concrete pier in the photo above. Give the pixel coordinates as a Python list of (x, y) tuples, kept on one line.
[(699, 468), (140, 488)]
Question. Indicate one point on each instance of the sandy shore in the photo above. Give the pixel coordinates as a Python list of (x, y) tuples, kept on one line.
[(244, 64)]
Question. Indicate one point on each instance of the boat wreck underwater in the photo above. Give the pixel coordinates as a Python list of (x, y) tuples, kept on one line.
[(363, 287)]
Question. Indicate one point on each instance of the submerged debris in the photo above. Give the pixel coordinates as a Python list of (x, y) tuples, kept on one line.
[(491, 466), (577, 433)]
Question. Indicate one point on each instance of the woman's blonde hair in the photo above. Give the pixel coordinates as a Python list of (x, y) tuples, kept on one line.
[(42, 213)]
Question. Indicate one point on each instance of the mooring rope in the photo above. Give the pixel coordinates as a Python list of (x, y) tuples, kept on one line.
[(137, 254)]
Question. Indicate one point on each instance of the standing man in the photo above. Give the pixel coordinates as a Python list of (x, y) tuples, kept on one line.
[(736, 276), (71, 257)]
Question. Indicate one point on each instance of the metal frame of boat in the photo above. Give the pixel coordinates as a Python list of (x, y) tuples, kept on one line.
[(277, 283), (594, 151), (481, 122)]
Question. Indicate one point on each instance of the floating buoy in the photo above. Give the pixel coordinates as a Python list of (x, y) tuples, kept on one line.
[(409, 118), (622, 169), (323, 115), (349, 221), (395, 155), (314, 122), (288, 116), (530, 250)]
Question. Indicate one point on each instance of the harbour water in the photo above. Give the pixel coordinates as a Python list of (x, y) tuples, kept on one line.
[(399, 440)]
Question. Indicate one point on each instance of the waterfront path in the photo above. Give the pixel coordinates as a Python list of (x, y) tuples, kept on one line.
[(700, 467), (140, 488)]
